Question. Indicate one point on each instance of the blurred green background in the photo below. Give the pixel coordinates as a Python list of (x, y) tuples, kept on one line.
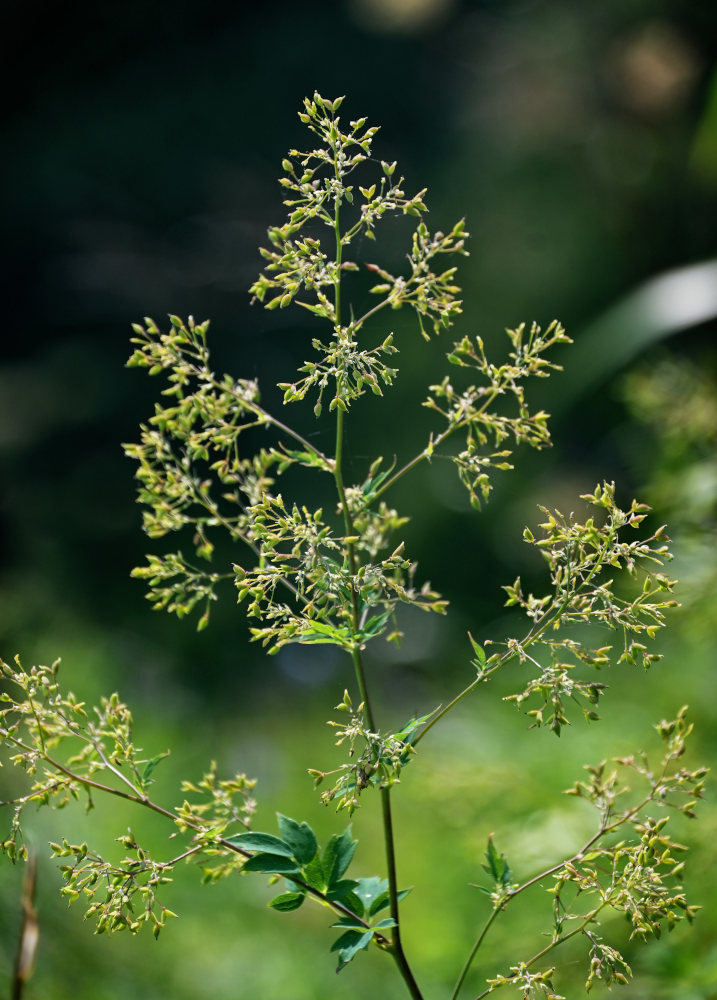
[(141, 150)]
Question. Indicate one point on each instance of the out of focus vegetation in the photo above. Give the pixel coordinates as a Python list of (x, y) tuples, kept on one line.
[(580, 142)]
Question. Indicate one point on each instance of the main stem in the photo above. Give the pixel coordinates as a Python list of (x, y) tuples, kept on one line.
[(396, 946)]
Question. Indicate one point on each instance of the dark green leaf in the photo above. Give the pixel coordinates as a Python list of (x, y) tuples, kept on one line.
[(369, 889), (478, 650), (300, 838), (407, 733), (349, 923), (320, 633), (373, 483), (496, 866), (379, 903), (150, 766), (350, 900), (382, 901), (273, 864), (341, 889), (313, 873), (287, 901), (267, 843), (349, 944), (337, 856), (375, 625), (308, 458)]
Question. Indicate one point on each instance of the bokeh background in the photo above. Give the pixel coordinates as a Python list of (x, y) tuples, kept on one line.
[(141, 147)]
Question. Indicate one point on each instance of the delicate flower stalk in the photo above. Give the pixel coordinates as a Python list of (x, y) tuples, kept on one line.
[(340, 575)]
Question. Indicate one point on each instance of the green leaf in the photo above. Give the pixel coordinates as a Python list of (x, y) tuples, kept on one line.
[(300, 838), (372, 484), (349, 944), (497, 866), (266, 843), (271, 864), (287, 901), (379, 903), (350, 923), (337, 856), (149, 767), (408, 731), (340, 891), (313, 873), (382, 901), (319, 632), (478, 650), (375, 625), (309, 458), (370, 889)]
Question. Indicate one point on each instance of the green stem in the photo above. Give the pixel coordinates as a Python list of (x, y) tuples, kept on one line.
[(395, 947), (397, 951), (143, 800), (358, 323), (605, 828), (474, 952), (540, 627), (416, 460), (588, 919), (427, 452)]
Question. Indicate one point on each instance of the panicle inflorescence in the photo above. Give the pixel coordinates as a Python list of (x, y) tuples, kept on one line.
[(337, 574), (585, 561), (69, 752)]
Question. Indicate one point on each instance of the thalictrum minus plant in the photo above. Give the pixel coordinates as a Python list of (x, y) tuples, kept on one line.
[(338, 575)]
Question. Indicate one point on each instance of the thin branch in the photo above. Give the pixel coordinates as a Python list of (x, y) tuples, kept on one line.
[(605, 828), (358, 323), (550, 616), (428, 452), (474, 951), (181, 857), (267, 418), (294, 434), (97, 745), (588, 919), (144, 800), (209, 504)]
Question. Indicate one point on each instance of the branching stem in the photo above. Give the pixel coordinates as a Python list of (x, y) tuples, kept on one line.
[(588, 919), (144, 800), (546, 621), (605, 828), (435, 443), (395, 947)]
